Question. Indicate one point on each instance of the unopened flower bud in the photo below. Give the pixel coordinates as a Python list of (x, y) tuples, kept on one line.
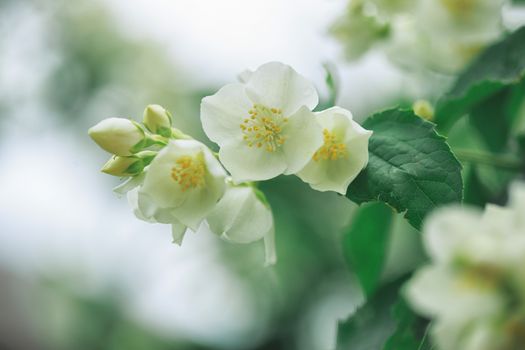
[(123, 166), (423, 109), (117, 135), (158, 120)]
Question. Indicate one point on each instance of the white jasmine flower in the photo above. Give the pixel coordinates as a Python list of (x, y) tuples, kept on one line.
[(158, 120), (119, 136), (343, 154), (265, 126), (184, 180), (475, 285), (244, 216)]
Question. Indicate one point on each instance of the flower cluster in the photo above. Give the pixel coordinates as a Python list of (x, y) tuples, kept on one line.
[(264, 126), (474, 289), (442, 34)]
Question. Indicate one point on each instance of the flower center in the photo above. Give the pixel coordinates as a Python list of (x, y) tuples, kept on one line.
[(189, 172), (458, 7), (331, 149), (264, 127)]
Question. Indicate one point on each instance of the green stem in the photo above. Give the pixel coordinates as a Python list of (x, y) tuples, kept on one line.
[(156, 140), (179, 135), (496, 160)]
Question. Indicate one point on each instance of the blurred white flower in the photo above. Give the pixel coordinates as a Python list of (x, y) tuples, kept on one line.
[(265, 126), (243, 216), (388, 8), (119, 136), (359, 29), (465, 20), (181, 185), (441, 35), (343, 154), (450, 33), (475, 285)]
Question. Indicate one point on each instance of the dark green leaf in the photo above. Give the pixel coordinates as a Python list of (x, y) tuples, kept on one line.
[(365, 243), (411, 332), (499, 65), (489, 118), (410, 166), (372, 324)]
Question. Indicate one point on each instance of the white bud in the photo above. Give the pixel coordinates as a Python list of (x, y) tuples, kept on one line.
[(123, 166), (423, 109), (158, 120), (117, 135)]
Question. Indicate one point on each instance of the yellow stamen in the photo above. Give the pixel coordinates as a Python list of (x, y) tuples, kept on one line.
[(264, 128), (459, 7), (189, 172), (332, 149)]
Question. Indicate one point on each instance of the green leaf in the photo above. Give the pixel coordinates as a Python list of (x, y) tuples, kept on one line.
[(410, 166), (411, 332), (489, 118), (499, 65), (365, 243), (372, 324), (332, 85)]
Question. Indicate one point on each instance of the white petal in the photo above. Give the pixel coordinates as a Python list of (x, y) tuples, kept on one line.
[(221, 219), (223, 113), (252, 222), (197, 206), (133, 201), (517, 202), (334, 118), (276, 85), (145, 209), (447, 230), (251, 163), (177, 232), (497, 219), (129, 184), (245, 75), (447, 334), (303, 136), (269, 247), (437, 291)]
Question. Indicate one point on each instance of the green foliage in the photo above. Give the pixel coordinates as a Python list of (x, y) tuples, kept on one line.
[(411, 332), (498, 66), (372, 324), (365, 243), (384, 322), (410, 167)]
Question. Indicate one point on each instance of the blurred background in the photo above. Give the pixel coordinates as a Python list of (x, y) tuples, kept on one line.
[(77, 269)]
